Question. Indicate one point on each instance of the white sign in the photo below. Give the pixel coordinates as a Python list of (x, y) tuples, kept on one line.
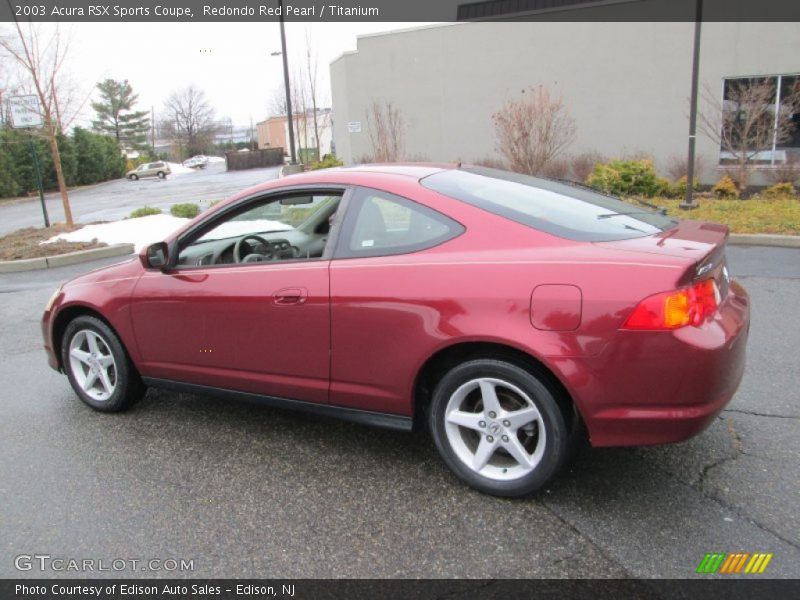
[(24, 111), (354, 127)]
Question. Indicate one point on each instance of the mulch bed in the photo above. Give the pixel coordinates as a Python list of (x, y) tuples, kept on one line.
[(24, 243)]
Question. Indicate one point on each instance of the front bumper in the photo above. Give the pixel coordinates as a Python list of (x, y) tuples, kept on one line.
[(47, 335), (662, 387)]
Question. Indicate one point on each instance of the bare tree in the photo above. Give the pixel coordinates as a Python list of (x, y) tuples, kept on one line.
[(190, 120), (276, 106), (746, 122), (300, 102), (582, 165), (42, 59), (678, 167), (387, 129), (532, 131), (319, 121), (787, 172)]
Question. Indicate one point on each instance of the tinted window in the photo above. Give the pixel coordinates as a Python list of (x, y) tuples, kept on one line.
[(560, 209), (380, 223)]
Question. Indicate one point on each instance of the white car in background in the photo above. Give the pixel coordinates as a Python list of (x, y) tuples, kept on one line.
[(196, 162)]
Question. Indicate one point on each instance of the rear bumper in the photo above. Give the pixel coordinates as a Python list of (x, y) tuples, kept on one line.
[(662, 387)]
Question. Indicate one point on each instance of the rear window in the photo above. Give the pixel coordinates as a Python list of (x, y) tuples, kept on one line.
[(561, 209)]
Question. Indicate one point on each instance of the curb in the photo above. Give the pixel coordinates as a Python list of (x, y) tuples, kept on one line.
[(62, 260), (764, 239)]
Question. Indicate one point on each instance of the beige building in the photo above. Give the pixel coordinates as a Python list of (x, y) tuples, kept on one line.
[(274, 132), (626, 84)]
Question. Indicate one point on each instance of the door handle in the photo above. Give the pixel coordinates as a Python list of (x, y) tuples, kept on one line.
[(289, 296)]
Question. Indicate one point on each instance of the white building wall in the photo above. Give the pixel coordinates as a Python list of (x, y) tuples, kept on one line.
[(626, 84)]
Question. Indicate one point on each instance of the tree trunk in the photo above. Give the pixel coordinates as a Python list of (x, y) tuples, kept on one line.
[(743, 172), (62, 184)]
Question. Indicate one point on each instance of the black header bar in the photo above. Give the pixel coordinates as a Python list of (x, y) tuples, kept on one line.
[(405, 589), (394, 10)]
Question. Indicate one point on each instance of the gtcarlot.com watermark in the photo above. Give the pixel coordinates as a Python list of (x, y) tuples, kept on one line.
[(61, 564)]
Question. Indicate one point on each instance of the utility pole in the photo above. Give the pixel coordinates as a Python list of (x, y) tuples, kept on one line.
[(153, 130), (688, 202), (253, 145), (289, 114)]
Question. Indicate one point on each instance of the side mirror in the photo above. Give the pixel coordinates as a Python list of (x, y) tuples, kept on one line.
[(155, 257)]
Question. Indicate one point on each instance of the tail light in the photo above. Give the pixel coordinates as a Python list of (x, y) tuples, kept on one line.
[(672, 310)]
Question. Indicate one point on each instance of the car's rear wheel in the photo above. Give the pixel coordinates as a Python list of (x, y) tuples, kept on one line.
[(98, 367), (133, 177), (498, 427), (161, 175)]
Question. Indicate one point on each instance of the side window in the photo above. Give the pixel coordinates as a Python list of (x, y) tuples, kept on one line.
[(291, 227), (380, 224)]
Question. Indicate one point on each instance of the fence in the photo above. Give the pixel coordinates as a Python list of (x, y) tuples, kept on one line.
[(255, 159)]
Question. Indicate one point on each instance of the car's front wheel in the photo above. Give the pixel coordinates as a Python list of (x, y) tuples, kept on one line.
[(98, 367), (498, 427), (162, 175)]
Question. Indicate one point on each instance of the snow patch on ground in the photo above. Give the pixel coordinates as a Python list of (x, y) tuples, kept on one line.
[(179, 169), (141, 232), (215, 159)]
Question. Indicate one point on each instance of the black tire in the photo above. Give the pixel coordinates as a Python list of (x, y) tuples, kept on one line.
[(556, 433), (162, 175), (128, 386), (133, 177)]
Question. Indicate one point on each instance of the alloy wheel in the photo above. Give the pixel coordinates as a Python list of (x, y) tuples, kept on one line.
[(495, 429), (92, 365)]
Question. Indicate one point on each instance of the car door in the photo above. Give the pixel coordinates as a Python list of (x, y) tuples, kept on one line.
[(385, 309), (260, 327)]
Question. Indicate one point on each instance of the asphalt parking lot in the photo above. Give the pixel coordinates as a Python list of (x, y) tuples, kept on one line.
[(247, 491), (114, 200)]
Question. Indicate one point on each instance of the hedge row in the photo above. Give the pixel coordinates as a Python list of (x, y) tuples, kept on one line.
[(86, 157)]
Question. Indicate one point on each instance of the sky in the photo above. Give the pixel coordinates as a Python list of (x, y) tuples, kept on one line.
[(230, 62)]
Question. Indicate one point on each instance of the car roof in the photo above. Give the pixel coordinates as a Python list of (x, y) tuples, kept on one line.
[(356, 174), (415, 171)]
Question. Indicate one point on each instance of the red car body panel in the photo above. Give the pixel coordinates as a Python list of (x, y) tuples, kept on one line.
[(367, 326)]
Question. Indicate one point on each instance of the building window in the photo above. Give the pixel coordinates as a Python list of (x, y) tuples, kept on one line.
[(761, 118)]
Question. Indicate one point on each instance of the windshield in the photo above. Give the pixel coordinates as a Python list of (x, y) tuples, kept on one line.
[(561, 209)]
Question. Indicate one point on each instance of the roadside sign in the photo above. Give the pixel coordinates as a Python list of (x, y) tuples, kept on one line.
[(354, 127), (24, 111), (25, 114)]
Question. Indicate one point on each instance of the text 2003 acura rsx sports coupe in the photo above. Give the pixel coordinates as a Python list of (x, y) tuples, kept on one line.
[(498, 309)]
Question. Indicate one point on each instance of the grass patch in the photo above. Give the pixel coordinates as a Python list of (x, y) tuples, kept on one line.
[(754, 215), (187, 210), (25, 243), (145, 211)]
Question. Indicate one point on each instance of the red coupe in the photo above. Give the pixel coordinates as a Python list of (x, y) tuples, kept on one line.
[(509, 314)]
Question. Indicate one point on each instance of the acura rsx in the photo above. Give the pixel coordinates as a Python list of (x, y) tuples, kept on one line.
[(512, 316)]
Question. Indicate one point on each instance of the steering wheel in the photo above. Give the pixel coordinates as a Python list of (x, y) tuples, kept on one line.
[(260, 251)]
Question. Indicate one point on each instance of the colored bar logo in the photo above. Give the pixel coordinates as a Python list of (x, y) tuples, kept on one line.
[(734, 563)]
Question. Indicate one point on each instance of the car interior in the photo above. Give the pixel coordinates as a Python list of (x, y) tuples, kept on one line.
[(289, 228)]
